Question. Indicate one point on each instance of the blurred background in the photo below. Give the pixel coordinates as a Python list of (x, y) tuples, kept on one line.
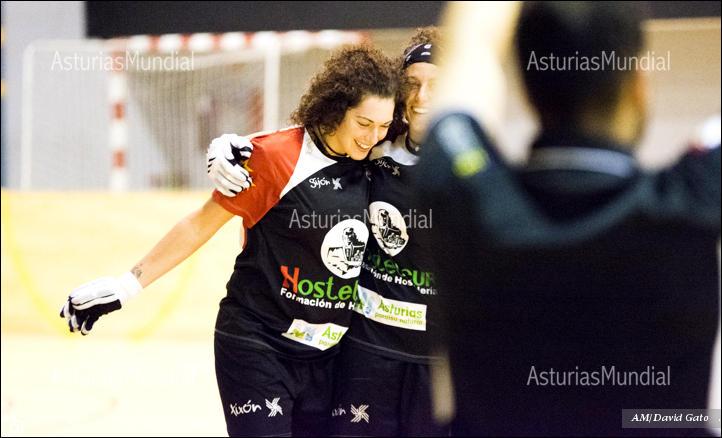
[(107, 110)]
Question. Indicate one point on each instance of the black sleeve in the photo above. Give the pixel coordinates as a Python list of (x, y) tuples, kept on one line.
[(458, 161), (690, 189), (465, 180)]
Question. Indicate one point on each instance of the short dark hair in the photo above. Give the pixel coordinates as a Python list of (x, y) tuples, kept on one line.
[(579, 30), (348, 76)]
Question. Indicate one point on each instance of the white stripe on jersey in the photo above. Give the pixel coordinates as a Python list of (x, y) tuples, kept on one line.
[(396, 151), (310, 161)]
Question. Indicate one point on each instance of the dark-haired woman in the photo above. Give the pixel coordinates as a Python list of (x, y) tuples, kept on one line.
[(292, 287)]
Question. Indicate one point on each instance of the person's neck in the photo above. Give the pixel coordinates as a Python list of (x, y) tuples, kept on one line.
[(619, 127), (619, 131), (332, 150), (328, 143), (595, 130), (412, 145)]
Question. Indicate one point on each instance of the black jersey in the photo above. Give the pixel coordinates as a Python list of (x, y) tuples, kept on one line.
[(574, 287), (297, 275), (396, 286)]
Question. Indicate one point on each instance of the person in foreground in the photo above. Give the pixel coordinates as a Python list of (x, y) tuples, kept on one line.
[(580, 284)]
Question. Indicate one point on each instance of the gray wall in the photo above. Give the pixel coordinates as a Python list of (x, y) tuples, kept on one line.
[(686, 93), (23, 23), (680, 98)]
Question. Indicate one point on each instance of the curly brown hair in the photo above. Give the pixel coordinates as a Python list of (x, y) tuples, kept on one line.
[(423, 35), (348, 76)]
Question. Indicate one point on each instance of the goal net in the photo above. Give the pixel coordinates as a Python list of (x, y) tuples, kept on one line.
[(138, 113)]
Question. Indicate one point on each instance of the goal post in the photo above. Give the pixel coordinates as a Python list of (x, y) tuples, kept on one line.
[(137, 113)]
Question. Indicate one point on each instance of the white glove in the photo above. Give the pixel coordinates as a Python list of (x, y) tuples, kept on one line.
[(92, 300), (226, 159)]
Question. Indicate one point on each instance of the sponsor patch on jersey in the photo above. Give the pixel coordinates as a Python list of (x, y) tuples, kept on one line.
[(321, 336), (343, 248), (396, 313), (388, 227)]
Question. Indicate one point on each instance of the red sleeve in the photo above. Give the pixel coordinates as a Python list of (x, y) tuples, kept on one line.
[(272, 163)]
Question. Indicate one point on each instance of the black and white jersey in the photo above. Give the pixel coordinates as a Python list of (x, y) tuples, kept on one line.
[(397, 286), (295, 281), (574, 287)]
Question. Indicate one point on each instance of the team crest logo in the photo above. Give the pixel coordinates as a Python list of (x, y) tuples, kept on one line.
[(343, 248), (388, 227)]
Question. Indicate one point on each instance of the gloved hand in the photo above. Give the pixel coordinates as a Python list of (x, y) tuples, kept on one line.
[(92, 300), (227, 156)]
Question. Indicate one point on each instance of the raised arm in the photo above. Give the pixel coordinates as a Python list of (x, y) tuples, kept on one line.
[(477, 37)]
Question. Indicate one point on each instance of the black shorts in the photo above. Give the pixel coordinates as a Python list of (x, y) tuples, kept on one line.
[(266, 394), (375, 395)]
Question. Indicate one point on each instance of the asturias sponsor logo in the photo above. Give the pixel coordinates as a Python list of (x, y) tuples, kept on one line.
[(396, 313), (321, 336)]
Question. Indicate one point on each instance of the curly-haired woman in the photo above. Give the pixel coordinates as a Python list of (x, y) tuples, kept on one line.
[(290, 296), (383, 377)]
